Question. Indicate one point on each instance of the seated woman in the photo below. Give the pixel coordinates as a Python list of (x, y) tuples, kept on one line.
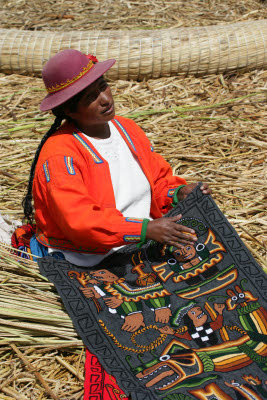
[(96, 182)]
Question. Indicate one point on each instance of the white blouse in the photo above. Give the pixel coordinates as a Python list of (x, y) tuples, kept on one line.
[(131, 188)]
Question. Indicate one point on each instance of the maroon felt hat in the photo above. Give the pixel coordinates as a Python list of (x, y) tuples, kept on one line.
[(69, 72)]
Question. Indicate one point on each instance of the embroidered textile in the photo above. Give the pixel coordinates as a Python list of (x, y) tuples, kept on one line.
[(171, 324)]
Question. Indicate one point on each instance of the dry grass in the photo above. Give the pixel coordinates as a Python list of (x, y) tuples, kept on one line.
[(211, 129), (32, 316), (122, 14)]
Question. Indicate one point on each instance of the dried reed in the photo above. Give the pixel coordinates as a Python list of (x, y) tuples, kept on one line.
[(144, 54)]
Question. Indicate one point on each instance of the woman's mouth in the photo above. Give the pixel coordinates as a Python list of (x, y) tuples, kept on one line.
[(108, 110)]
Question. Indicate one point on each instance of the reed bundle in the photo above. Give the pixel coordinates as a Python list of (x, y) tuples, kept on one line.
[(144, 53), (33, 317), (31, 313)]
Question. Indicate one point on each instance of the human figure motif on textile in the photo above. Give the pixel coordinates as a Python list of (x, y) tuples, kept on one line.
[(196, 324)]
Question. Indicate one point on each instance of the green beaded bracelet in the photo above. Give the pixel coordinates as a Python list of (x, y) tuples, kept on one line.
[(143, 239), (175, 200)]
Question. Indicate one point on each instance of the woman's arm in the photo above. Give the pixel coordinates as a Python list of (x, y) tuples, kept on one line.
[(66, 203)]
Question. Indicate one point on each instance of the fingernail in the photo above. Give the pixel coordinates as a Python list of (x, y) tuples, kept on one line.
[(192, 231)]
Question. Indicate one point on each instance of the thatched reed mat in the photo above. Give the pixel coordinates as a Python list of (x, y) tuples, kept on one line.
[(144, 54)]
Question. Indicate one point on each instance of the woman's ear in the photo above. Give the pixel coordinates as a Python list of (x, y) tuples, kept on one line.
[(70, 114)]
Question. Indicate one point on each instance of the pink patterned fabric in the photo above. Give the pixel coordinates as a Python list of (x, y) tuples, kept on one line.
[(98, 384)]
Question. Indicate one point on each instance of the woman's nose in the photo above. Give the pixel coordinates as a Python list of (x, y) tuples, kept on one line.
[(103, 98)]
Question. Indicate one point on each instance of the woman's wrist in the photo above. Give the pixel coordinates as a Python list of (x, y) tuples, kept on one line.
[(143, 237), (176, 198)]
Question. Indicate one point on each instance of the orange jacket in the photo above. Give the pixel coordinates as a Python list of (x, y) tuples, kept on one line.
[(73, 195)]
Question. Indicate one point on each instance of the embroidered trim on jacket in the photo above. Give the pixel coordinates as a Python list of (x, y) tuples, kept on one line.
[(46, 171), (96, 159), (136, 220), (132, 238), (125, 133), (171, 192), (69, 165)]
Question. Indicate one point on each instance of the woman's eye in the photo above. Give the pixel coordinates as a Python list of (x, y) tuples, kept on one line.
[(92, 97), (234, 298)]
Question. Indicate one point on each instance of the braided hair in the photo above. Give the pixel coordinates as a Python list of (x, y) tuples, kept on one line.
[(27, 201), (59, 113)]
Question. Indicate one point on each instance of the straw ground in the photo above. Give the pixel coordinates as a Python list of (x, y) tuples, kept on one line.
[(211, 129)]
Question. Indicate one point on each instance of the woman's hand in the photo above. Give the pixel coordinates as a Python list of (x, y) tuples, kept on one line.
[(184, 191), (167, 231)]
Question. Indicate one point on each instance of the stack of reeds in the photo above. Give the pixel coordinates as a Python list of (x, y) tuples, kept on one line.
[(27, 295), (144, 54), (35, 326)]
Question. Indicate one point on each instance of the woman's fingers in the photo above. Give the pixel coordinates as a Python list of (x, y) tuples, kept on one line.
[(176, 244), (205, 188), (178, 226), (182, 242), (184, 232), (180, 239), (179, 243), (167, 230), (184, 228), (175, 218)]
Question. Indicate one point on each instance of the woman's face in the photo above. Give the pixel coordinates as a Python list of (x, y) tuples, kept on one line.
[(95, 107)]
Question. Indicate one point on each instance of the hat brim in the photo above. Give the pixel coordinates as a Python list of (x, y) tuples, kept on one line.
[(53, 100)]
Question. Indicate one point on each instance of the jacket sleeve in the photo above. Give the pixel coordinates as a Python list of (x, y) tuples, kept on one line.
[(69, 205), (164, 181)]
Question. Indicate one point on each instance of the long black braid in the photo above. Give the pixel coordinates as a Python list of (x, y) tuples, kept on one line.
[(27, 201), (60, 115)]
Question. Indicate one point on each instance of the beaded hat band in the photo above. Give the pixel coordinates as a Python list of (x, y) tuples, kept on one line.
[(61, 86)]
